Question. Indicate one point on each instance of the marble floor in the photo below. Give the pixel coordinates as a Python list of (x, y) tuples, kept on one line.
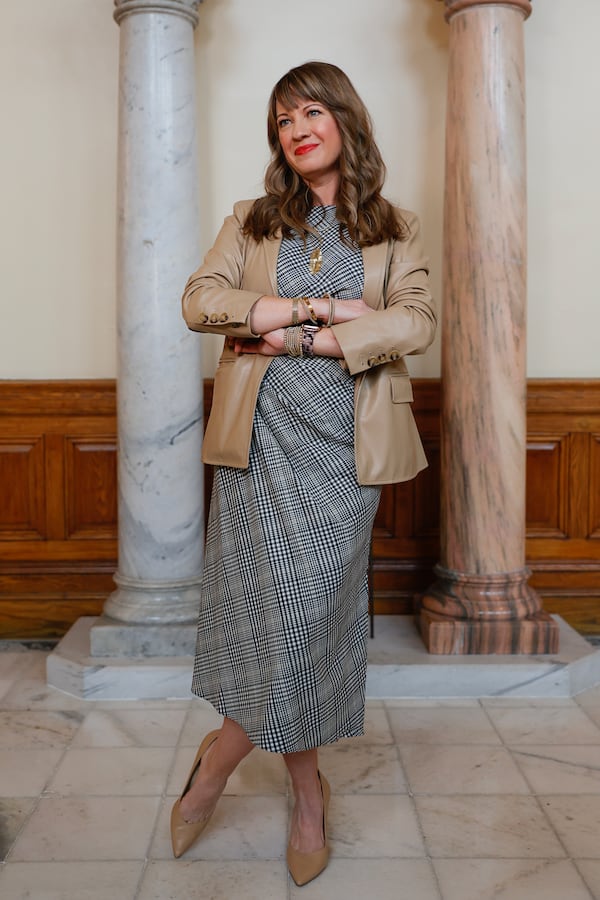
[(440, 800)]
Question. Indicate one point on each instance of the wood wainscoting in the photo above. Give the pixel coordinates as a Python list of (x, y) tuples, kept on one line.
[(58, 504)]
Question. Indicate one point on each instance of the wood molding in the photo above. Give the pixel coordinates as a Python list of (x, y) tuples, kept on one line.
[(58, 507)]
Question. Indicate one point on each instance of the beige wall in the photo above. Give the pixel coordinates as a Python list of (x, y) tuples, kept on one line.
[(58, 91)]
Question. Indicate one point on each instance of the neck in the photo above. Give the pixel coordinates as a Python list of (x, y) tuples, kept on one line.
[(325, 192)]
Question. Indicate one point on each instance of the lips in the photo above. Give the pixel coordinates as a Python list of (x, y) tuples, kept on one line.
[(305, 148)]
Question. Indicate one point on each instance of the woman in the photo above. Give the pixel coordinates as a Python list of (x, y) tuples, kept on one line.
[(321, 288)]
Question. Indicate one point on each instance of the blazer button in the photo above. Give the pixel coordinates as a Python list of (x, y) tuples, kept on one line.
[(223, 317), (214, 318), (394, 355), (203, 318), (371, 361)]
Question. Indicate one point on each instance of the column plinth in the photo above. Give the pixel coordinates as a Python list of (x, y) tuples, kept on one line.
[(159, 381), (481, 601)]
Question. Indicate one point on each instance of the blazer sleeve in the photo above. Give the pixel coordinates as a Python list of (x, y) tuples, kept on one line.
[(407, 323), (213, 300)]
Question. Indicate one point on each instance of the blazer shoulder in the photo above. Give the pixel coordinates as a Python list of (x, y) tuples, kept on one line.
[(406, 216), (242, 208)]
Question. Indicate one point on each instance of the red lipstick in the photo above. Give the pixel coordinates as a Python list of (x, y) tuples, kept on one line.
[(305, 148)]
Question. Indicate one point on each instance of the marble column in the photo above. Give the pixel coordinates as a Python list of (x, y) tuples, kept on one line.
[(481, 601), (159, 386)]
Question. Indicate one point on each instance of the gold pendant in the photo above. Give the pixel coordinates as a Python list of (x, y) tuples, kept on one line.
[(316, 261)]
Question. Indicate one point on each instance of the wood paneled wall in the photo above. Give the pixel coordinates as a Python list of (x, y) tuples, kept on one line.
[(58, 504)]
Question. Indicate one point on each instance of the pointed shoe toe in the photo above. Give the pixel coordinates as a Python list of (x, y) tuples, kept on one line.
[(184, 834), (304, 867)]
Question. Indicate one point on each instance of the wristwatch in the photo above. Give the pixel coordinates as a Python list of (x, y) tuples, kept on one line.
[(309, 329)]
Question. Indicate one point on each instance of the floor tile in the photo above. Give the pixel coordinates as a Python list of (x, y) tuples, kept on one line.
[(230, 880), (130, 728), (509, 879), (429, 703), (124, 771), (259, 773), (371, 879), (13, 815), (560, 769), (31, 692), (377, 726), (126, 705), (368, 826), (240, 828), (590, 697), (87, 828), (455, 769), (486, 826), (577, 823), (593, 713), (71, 880), (527, 702), (25, 773), (545, 725), (30, 730), (441, 725), (590, 872), (200, 719), (362, 768)]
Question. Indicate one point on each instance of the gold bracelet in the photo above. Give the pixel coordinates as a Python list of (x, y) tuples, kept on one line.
[(292, 340), (310, 310), (295, 311), (331, 316)]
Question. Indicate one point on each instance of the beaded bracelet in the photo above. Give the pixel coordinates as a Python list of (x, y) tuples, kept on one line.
[(292, 340)]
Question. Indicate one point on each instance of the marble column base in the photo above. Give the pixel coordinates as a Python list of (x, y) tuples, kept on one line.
[(462, 613), (399, 667), (110, 638), (145, 603), (535, 634)]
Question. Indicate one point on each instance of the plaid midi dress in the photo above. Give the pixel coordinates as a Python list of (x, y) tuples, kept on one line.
[(282, 633)]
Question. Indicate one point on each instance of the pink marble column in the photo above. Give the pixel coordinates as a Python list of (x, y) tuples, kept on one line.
[(482, 602)]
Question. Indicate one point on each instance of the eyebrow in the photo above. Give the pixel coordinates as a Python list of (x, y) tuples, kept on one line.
[(285, 112)]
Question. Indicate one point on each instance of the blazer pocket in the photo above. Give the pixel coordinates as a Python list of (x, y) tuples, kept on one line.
[(401, 386)]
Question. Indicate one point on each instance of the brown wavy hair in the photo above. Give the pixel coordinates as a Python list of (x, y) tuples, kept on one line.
[(369, 218)]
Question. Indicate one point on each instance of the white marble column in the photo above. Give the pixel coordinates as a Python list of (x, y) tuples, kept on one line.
[(159, 393)]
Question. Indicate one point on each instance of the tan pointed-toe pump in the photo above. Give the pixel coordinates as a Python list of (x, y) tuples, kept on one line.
[(183, 834), (303, 867)]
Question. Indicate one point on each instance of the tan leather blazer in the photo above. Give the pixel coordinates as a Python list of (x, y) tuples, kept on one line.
[(237, 271)]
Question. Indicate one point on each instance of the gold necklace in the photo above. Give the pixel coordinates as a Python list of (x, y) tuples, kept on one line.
[(315, 261)]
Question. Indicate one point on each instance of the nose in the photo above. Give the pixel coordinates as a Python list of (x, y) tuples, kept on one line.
[(300, 128)]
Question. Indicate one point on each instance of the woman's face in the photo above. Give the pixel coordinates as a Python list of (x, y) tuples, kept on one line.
[(310, 140)]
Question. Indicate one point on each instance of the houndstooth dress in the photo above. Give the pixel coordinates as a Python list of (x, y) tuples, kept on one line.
[(282, 632)]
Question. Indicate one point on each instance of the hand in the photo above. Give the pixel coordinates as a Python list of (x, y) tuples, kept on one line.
[(269, 344), (346, 310)]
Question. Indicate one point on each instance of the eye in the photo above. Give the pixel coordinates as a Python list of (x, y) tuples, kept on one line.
[(281, 123), (314, 112)]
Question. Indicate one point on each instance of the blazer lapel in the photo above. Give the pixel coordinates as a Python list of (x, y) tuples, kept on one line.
[(374, 262), (271, 248)]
